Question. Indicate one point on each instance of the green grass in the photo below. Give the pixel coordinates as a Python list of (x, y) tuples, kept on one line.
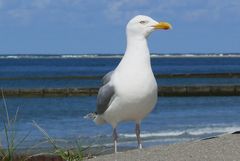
[(74, 154), (9, 134)]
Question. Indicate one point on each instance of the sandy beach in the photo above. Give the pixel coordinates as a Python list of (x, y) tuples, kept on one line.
[(222, 148)]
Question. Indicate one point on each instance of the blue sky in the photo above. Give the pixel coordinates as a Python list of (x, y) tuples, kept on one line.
[(98, 26)]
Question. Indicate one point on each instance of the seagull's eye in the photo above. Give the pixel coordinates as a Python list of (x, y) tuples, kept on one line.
[(143, 22)]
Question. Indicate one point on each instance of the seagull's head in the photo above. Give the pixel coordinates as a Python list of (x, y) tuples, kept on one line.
[(142, 26)]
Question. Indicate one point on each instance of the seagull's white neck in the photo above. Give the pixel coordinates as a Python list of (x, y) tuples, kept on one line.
[(137, 45), (137, 50)]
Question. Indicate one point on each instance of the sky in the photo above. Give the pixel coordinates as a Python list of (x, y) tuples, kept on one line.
[(98, 26)]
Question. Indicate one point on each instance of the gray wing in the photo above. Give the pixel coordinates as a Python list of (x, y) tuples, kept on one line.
[(104, 98), (107, 77)]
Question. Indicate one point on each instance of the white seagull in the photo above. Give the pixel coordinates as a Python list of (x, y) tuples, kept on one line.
[(130, 91)]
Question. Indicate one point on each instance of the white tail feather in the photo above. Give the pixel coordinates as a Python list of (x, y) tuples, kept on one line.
[(94, 117), (90, 116)]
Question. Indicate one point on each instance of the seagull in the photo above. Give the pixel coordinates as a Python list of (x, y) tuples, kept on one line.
[(130, 92)]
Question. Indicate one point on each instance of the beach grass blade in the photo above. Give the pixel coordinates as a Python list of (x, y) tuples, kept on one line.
[(72, 154), (8, 153)]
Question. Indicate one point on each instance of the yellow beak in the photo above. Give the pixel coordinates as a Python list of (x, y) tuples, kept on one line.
[(163, 25)]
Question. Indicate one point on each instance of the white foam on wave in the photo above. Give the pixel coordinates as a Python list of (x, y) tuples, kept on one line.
[(80, 56), (30, 56), (192, 131), (210, 130), (9, 57), (156, 134), (154, 55)]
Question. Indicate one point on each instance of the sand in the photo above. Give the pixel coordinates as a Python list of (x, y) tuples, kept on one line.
[(222, 148)]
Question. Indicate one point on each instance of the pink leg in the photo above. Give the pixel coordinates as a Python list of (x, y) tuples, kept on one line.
[(115, 137), (137, 131)]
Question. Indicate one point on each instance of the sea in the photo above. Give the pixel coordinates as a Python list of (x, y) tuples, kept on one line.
[(173, 120)]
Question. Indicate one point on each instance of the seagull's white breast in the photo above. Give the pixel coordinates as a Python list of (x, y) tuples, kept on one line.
[(136, 93)]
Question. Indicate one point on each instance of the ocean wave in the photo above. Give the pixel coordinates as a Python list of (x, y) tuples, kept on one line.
[(210, 130), (30, 56), (57, 56), (163, 137), (187, 132), (93, 56), (195, 55), (155, 134), (72, 56)]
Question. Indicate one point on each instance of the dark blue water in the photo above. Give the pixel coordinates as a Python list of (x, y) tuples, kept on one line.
[(174, 119), (12, 69)]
